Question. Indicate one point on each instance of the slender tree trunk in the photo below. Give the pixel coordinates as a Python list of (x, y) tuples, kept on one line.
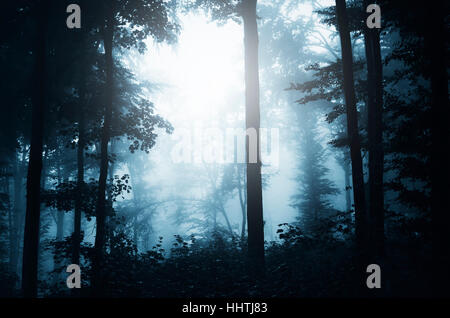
[(18, 215), (19, 212), (435, 35), (11, 230), (136, 199), (59, 235), (352, 125), (244, 217), (60, 225), (227, 221), (147, 241), (101, 200), (59, 214), (135, 231), (109, 202), (375, 131), (348, 197), (80, 166), (355, 148), (6, 184), (242, 204), (254, 188), (31, 238)]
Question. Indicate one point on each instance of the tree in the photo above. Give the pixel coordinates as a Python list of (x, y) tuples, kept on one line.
[(234, 180), (419, 159), (101, 200), (375, 132), (312, 199), (80, 167), (437, 54), (254, 186), (352, 127), (146, 18), (85, 65), (246, 9), (31, 240)]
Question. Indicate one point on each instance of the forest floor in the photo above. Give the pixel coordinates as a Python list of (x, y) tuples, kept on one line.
[(297, 267)]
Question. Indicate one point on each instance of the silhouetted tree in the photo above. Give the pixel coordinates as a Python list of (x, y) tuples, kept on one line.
[(246, 9), (352, 126), (152, 19), (31, 240), (375, 134), (312, 199), (254, 186)]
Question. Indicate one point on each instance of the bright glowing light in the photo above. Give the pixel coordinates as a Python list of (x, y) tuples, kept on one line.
[(201, 77)]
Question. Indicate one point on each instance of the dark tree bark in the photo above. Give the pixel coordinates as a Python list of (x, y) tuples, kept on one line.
[(19, 211), (348, 198), (109, 228), (11, 230), (60, 225), (435, 40), (59, 214), (254, 188), (6, 174), (100, 236), (80, 167), (375, 132), (352, 127), (32, 218)]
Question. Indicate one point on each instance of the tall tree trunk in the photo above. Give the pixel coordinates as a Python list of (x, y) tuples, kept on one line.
[(59, 230), (17, 216), (353, 137), (435, 37), (59, 238), (6, 185), (375, 131), (242, 203), (61, 179), (348, 198), (31, 238), (109, 228), (19, 212), (252, 120), (134, 174), (11, 229), (227, 220), (60, 226), (80, 166), (59, 214), (101, 200)]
